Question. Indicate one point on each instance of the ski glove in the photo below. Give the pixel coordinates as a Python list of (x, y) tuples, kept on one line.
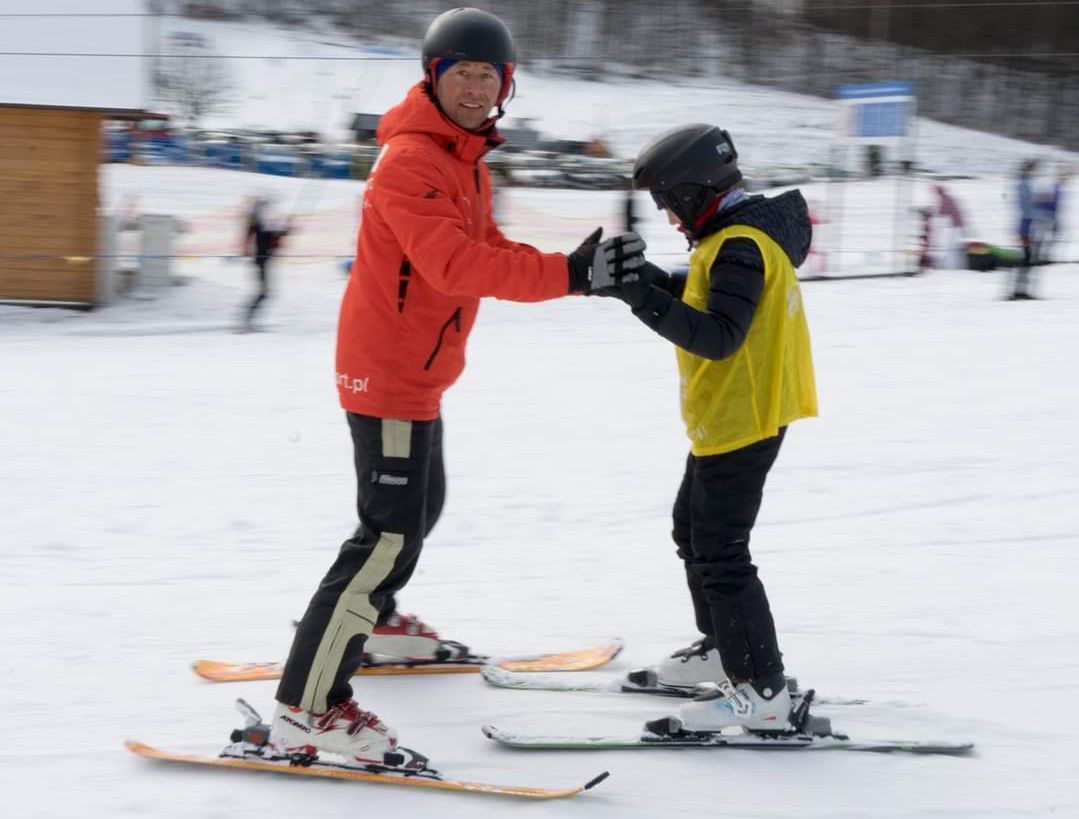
[(600, 266), (635, 288)]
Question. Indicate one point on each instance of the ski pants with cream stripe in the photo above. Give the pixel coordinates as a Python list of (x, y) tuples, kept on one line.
[(400, 490)]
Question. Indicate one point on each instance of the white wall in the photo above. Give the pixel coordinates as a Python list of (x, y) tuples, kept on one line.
[(62, 60)]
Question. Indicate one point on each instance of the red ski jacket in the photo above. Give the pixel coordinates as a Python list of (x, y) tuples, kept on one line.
[(428, 250)]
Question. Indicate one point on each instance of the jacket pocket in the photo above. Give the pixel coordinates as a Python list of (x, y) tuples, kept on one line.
[(455, 321)]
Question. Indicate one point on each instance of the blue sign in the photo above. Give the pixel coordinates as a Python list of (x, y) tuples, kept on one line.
[(875, 90), (877, 110)]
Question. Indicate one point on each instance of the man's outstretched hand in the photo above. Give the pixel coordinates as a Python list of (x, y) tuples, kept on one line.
[(599, 267)]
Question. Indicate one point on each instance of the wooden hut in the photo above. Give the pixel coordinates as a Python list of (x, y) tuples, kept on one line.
[(61, 74)]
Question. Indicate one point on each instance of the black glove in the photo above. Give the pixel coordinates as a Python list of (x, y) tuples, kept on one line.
[(580, 263), (635, 291), (597, 267), (615, 263)]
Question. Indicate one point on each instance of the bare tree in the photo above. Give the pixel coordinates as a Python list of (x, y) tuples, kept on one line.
[(195, 80)]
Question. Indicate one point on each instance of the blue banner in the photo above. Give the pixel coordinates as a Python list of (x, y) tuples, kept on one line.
[(876, 111)]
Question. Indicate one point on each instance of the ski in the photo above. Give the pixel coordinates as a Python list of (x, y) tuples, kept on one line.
[(584, 659), (807, 732), (746, 741), (630, 683), (250, 749), (237, 760)]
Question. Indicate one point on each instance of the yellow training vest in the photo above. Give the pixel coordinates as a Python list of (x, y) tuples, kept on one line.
[(768, 381)]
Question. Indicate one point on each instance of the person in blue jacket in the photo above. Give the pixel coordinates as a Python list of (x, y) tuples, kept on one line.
[(1027, 231)]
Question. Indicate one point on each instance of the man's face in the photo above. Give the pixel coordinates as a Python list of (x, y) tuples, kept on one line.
[(467, 92)]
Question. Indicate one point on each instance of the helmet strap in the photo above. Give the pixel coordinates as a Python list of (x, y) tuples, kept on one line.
[(508, 91), (702, 206), (705, 212), (723, 200), (431, 78)]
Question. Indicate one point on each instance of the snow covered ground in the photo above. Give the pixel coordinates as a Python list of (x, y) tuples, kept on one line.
[(173, 490)]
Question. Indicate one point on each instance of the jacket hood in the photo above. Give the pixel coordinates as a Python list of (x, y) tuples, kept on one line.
[(785, 218), (417, 113)]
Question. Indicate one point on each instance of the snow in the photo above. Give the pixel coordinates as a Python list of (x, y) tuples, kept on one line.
[(173, 490), (304, 80)]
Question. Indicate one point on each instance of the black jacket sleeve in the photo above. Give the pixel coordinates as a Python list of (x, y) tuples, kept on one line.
[(736, 283)]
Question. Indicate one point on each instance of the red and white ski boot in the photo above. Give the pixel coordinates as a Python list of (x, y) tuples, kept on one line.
[(358, 736), (404, 637)]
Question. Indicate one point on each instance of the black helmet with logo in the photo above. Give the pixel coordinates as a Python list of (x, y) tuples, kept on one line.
[(687, 168), (470, 34)]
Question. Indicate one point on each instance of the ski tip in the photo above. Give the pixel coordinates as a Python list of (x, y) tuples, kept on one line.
[(946, 748), (497, 734), (206, 669), (497, 676), (597, 780)]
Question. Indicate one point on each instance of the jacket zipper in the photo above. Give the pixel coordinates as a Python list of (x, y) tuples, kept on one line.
[(403, 277), (455, 320)]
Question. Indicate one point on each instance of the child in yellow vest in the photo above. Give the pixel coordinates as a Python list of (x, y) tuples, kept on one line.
[(743, 351)]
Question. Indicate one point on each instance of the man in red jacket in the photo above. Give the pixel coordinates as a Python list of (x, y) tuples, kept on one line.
[(428, 250)]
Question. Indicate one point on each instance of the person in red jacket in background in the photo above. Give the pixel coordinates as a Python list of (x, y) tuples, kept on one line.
[(428, 251)]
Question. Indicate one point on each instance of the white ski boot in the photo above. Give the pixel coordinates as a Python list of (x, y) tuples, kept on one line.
[(357, 735), (691, 666), (754, 707)]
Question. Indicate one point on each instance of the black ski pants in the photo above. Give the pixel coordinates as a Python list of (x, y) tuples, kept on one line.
[(262, 264), (1024, 273), (400, 491), (714, 513)]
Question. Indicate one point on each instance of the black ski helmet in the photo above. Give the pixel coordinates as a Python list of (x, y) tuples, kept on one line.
[(469, 34), (687, 168)]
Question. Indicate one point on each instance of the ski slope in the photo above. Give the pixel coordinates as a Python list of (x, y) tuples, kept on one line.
[(173, 490), (296, 80)]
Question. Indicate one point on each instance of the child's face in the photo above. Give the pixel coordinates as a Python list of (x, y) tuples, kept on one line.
[(674, 220)]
